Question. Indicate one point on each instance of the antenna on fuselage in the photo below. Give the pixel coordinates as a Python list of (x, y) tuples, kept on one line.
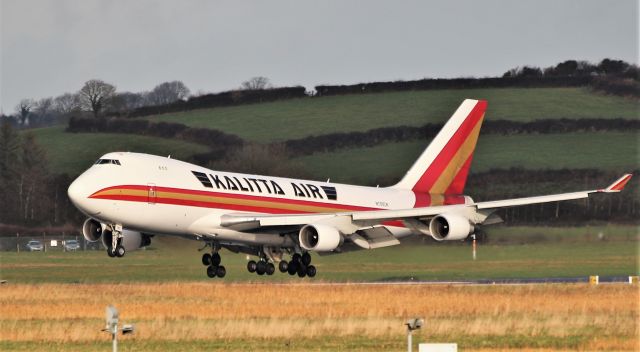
[(169, 156)]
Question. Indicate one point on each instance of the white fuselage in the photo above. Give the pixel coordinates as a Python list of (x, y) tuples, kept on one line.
[(161, 195)]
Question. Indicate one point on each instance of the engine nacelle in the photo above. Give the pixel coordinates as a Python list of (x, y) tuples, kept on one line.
[(131, 240), (450, 227), (92, 230), (320, 238)]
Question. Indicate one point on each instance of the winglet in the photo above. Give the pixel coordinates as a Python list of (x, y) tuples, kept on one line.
[(618, 185)]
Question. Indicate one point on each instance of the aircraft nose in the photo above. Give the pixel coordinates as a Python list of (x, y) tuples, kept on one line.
[(77, 191)]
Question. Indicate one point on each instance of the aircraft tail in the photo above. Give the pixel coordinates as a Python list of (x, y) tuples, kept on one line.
[(443, 167)]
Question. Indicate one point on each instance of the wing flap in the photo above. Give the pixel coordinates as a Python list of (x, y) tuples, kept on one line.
[(374, 237)]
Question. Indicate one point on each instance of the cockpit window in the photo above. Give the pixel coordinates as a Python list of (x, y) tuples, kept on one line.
[(107, 161)]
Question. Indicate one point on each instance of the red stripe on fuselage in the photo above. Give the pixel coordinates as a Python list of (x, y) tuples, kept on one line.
[(204, 204), (217, 205)]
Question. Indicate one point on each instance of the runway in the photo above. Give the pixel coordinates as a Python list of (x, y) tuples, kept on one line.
[(512, 281), (477, 282)]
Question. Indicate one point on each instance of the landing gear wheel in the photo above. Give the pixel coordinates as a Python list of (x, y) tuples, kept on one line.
[(215, 259), (270, 269), (283, 266), (293, 268), (302, 271), (211, 271), (296, 258), (306, 258), (221, 271), (252, 266), (206, 259), (261, 268), (311, 271), (120, 251), (110, 252)]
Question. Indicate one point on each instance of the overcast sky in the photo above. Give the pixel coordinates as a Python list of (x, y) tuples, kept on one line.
[(49, 47)]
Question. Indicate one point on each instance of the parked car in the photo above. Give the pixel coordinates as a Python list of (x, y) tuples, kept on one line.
[(34, 245), (71, 245)]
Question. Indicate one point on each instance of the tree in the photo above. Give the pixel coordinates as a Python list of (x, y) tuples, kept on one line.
[(612, 67), (32, 187), (168, 92), (567, 68), (127, 101), (23, 109), (44, 111), (67, 103), (9, 170), (256, 83), (95, 95)]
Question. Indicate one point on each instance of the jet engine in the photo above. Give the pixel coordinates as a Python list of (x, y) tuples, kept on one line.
[(92, 230), (320, 238), (450, 227), (131, 240)]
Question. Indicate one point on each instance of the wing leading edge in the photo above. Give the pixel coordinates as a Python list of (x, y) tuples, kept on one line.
[(475, 212)]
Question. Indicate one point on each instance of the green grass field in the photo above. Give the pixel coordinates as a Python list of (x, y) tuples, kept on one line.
[(73, 153), (297, 118), (607, 151), (513, 252), (398, 342)]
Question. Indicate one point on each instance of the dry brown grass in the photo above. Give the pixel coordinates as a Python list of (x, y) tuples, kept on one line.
[(607, 314)]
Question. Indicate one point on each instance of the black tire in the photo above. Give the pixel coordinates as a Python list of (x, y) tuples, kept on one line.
[(211, 271), (306, 259), (110, 252), (283, 266), (270, 269), (311, 271), (206, 259), (215, 259), (261, 269), (293, 268), (296, 258), (302, 271), (221, 271), (252, 266), (120, 251)]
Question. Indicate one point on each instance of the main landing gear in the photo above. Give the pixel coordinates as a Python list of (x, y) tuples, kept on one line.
[(212, 262), (116, 249), (299, 264)]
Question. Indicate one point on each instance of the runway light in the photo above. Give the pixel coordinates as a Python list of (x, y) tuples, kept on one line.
[(412, 324), (112, 318)]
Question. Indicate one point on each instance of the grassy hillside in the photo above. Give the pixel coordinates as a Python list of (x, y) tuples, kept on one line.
[(74, 152), (610, 151), (301, 117)]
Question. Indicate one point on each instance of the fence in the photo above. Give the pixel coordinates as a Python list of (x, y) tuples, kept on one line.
[(58, 242)]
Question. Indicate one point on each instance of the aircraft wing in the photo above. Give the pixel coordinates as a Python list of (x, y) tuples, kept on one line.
[(367, 218)]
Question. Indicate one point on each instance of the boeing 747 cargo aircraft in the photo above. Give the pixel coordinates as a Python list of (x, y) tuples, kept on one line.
[(131, 197)]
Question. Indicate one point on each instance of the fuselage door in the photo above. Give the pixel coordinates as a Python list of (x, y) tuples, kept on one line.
[(151, 187)]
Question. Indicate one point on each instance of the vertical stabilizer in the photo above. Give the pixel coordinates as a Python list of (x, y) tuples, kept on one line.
[(443, 167)]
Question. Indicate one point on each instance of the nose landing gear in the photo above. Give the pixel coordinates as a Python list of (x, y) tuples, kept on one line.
[(116, 249)]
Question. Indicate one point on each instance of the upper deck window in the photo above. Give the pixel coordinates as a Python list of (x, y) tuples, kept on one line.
[(107, 161)]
